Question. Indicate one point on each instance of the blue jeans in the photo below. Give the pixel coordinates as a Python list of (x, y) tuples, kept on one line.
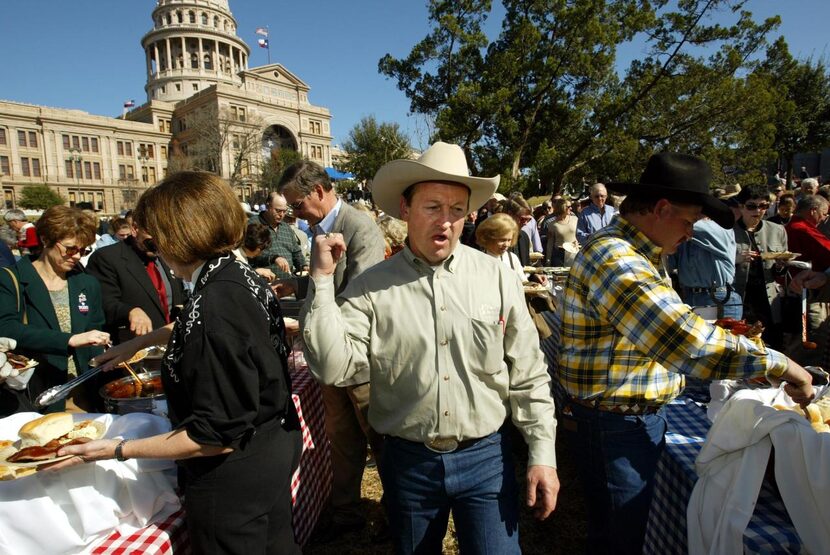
[(617, 457), (734, 307), (477, 483)]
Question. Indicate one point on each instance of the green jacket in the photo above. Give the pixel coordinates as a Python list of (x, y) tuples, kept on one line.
[(42, 338)]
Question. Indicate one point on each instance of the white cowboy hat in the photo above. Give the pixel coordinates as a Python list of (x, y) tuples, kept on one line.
[(440, 162)]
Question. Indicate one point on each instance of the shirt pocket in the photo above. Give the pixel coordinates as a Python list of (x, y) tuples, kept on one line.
[(487, 347)]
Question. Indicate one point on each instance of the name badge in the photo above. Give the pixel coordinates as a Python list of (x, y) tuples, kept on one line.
[(83, 308)]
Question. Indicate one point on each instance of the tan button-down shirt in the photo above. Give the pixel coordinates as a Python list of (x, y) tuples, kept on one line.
[(450, 350)]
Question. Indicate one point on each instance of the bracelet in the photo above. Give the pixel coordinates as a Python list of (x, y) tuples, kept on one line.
[(119, 451)]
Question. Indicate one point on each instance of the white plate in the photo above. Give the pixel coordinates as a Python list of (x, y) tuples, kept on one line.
[(8, 452)]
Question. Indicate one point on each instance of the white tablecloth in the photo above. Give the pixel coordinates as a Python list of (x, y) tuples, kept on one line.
[(64, 511)]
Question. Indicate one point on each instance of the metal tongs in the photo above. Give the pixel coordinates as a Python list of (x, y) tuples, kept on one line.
[(60, 392)]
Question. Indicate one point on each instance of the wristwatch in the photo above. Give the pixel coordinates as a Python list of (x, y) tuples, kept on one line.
[(119, 451)]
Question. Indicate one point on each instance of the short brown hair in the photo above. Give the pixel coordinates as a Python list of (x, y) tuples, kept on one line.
[(64, 222), (192, 216), (302, 176), (495, 227), (257, 236)]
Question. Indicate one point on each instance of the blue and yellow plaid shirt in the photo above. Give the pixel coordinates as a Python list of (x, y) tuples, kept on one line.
[(628, 339)]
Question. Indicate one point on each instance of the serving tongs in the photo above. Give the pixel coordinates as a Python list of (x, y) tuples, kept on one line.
[(60, 392)]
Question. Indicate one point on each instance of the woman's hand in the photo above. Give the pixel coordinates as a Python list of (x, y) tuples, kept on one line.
[(89, 338), (97, 450), (266, 273), (116, 355)]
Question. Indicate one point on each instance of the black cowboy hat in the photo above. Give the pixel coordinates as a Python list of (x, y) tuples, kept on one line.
[(680, 178)]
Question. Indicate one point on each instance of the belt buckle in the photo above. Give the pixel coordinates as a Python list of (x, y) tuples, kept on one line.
[(442, 445)]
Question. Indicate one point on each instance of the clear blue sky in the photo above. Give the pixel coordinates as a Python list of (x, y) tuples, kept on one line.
[(86, 54)]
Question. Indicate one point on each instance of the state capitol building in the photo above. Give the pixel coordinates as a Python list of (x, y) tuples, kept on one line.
[(197, 67)]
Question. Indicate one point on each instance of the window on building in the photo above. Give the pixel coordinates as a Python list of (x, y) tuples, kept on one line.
[(194, 61), (32, 139), (99, 200), (119, 147), (69, 171), (163, 152), (5, 169), (191, 16), (204, 18), (87, 170), (94, 144), (169, 19), (195, 87), (25, 168), (178, 87), (130, 171), (85, 144), (2, 136), (179, 17), (66, 142), (35, 167), (238, 113), (236, 141), (21, 138), (96, 170), (76, 142), (216, 21), (122, 171), (144, 173), (128, 148)]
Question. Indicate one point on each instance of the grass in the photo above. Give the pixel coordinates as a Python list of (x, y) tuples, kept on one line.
[(563, 532)]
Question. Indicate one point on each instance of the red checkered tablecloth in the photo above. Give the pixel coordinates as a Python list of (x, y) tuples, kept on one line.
[(310, 485)]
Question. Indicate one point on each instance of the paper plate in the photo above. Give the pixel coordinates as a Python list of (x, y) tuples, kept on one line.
[(783, 256), (9, 451)]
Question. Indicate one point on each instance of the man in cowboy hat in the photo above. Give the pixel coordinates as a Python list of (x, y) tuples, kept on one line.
[(628, 341), (443, 334)]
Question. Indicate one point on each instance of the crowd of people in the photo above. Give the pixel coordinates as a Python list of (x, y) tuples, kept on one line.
[(416, 325)]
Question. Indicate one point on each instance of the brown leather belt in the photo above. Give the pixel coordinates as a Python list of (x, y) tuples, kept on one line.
[(633, 410)]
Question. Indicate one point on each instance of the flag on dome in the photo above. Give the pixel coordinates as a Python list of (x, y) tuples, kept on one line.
[(262, 31), (129, 103), (263, 43)]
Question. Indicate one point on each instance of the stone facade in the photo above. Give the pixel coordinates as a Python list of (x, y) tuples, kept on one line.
[(195, 62)]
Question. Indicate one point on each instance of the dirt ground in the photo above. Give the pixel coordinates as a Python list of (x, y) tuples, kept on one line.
[(563, 532)]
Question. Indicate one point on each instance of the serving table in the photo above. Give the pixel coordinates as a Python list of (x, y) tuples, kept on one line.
[(769, 531), (310, 485)]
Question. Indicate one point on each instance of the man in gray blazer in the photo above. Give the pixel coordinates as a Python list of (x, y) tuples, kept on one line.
[(310, 193)]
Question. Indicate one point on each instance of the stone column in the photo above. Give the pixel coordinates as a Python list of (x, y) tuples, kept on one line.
[(185, 60), (201, 57), (149, 61), (169, 54), (217, 64)]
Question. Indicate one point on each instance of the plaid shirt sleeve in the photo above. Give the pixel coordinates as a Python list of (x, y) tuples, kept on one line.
[(627, 336)]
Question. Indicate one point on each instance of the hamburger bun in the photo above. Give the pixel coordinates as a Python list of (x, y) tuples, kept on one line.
[(44, 429)]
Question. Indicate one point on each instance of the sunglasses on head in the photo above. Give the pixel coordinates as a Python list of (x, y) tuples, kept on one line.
[(756, 206)]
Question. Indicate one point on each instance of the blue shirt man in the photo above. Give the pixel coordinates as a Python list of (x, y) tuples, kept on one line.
[(595, 216), (706, 268)]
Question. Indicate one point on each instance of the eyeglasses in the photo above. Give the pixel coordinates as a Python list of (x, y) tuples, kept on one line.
[(73, 250), (755, 206), (297, 205)]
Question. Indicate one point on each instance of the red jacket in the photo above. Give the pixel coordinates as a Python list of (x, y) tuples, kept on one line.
[(30, 240), (805, 238)]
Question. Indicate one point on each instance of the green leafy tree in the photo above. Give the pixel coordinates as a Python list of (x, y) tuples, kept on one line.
[(802, 103), (370, 145), (544, 99), (39, 197), (271, 169)]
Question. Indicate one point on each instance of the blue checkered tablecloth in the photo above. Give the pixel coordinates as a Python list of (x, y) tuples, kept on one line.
[(770, 529)]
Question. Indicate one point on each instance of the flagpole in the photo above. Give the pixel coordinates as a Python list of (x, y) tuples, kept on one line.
[(268, 37)]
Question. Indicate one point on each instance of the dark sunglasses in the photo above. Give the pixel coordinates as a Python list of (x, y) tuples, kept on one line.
[(754, 206), (73, 250)]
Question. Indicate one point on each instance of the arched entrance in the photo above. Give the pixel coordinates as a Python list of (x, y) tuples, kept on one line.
[(277, 137)]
